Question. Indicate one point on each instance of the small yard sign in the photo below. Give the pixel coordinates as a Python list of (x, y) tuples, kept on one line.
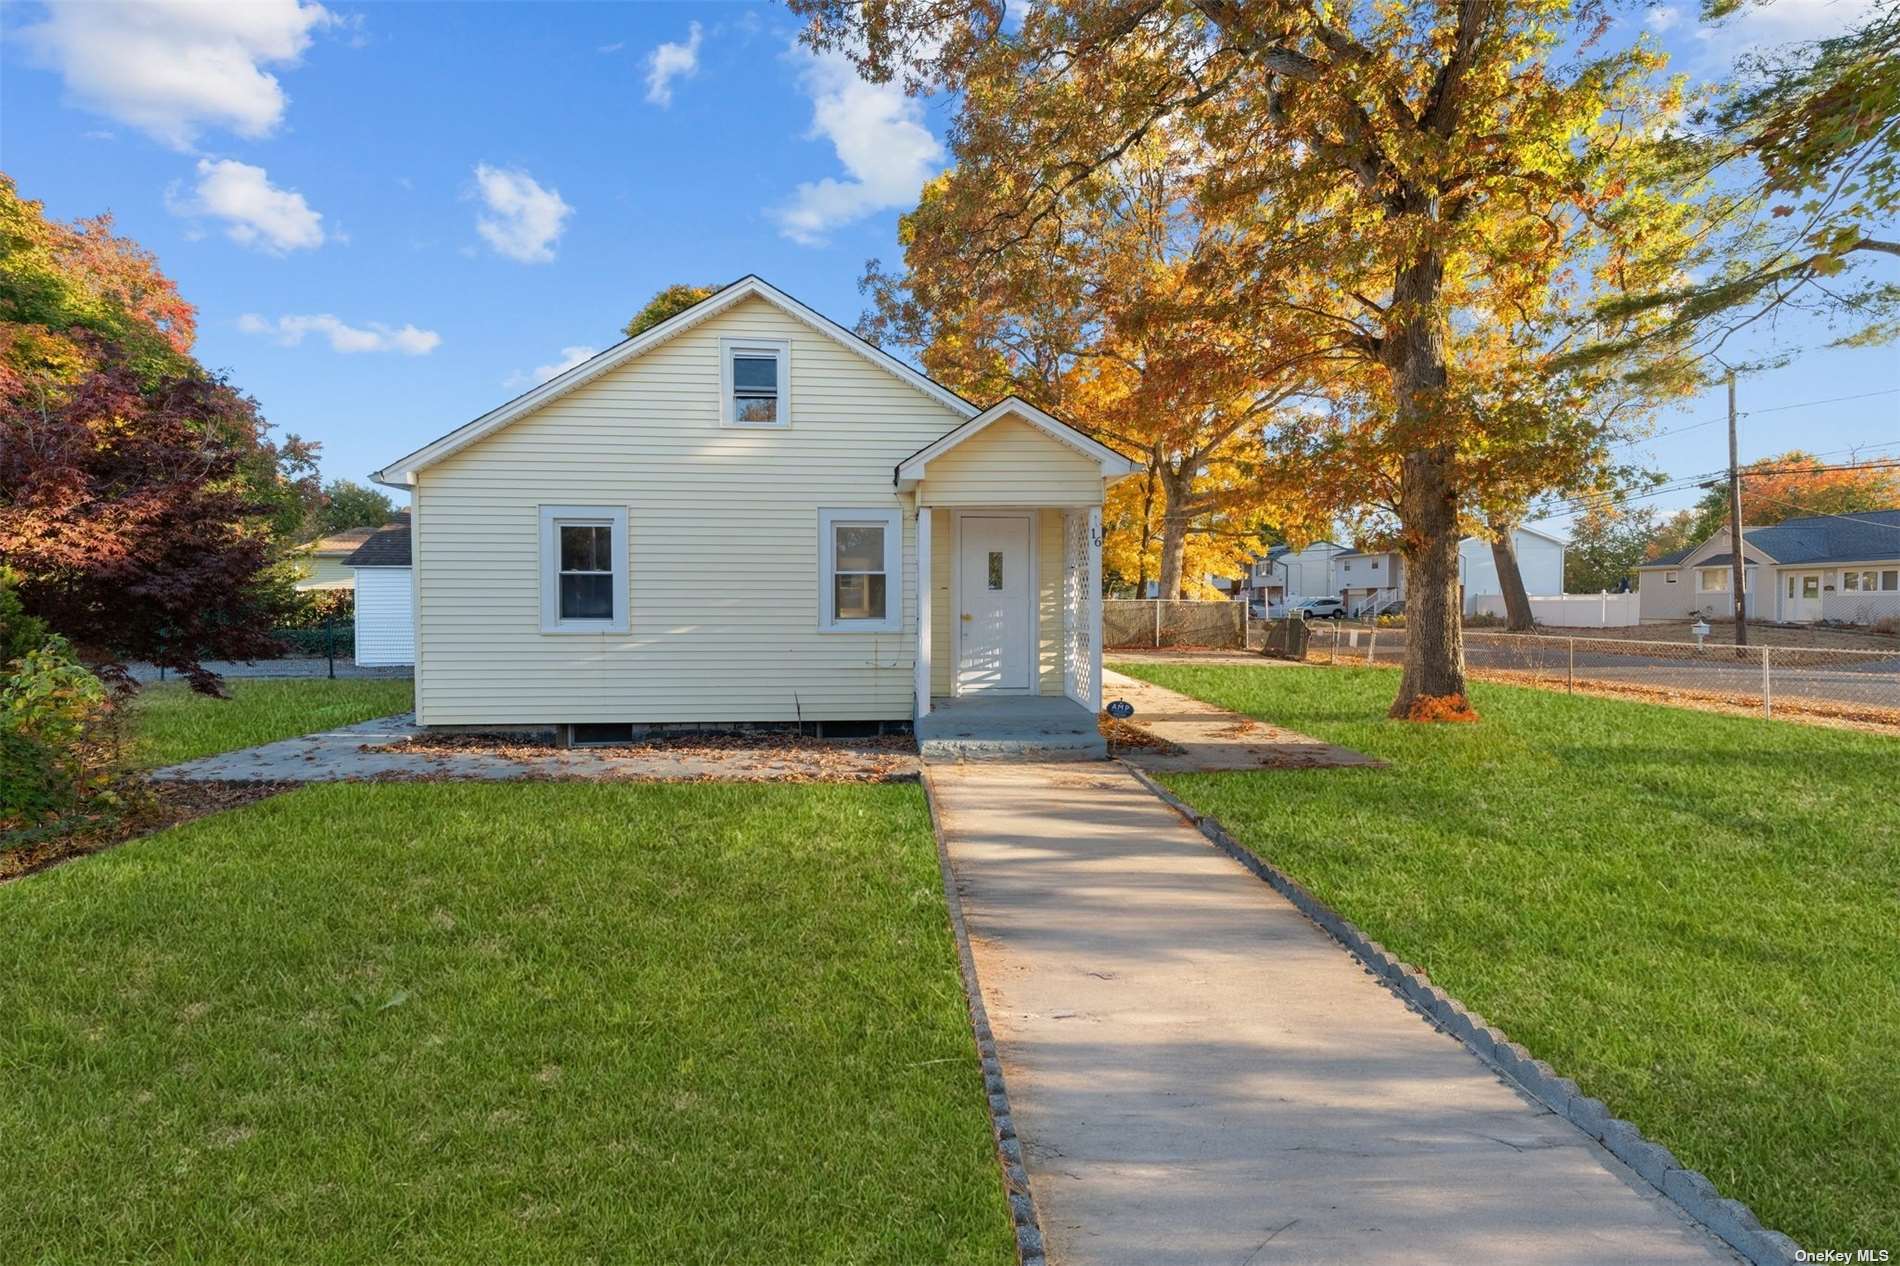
[(1121, 709)]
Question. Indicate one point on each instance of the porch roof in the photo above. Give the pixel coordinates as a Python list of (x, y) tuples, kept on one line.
[(1112, 465)]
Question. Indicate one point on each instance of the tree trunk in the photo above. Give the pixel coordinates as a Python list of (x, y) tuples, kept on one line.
[(1174, 531), (1517, 603), (1432, 686)]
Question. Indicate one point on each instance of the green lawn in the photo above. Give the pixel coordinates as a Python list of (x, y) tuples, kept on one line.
[(171, 724), (498, 1023), (1695, 916)]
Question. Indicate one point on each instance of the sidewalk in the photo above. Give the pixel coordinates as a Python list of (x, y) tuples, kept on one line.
[(1198, 1074)]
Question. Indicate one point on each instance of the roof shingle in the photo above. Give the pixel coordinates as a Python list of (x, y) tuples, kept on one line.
[(388, 546)]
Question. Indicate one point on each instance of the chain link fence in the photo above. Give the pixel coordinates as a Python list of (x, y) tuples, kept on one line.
[(1854, 684), (1130, 623)]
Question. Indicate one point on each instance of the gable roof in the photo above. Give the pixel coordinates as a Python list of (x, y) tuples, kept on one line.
[(337, 543), (401, 472), (388, 546), (1112, 463), (1866, 536)]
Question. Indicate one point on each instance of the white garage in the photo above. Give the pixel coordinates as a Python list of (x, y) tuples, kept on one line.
[(385, 596)]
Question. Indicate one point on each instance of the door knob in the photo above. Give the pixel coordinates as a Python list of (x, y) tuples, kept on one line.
[(968, 616)]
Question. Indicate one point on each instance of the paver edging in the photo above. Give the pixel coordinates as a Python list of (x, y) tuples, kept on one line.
[(1731, 1221), (1009, 1148)]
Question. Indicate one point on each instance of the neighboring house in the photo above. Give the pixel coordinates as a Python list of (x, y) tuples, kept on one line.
[(322, 561), (1373, 580), (1843, 567), (385, 598), (1540, 562), (1368, 581), (1284, 573), (726, 519)]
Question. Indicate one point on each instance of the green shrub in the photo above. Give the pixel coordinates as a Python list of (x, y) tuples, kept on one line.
[(311, 641), (314, 606), (51, 709)]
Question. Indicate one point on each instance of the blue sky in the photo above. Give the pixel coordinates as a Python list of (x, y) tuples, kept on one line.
[(392, 217)]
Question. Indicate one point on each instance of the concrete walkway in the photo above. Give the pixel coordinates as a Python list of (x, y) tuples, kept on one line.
[(1211, 739), (1200, 1075), (376, 750)]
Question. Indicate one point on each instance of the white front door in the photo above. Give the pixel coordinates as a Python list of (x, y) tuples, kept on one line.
[(993, 603), (1801, 596)]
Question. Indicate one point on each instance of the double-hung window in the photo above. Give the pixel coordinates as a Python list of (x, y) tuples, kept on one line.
[(1870, 581), (755, 382), (1711, 580), (861, 578), (584, 574)]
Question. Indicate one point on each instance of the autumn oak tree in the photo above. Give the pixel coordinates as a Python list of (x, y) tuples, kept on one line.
[(1382, 167), (1105, 314)]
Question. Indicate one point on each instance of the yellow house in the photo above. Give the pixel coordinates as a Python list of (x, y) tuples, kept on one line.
[(726, 520), (321, 562)]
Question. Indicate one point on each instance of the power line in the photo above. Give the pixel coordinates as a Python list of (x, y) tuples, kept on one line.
[(1749, 413), (1825, 514), (1685, 483)]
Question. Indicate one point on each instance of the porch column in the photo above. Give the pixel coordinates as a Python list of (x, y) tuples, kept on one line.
[(923, 611), (1095, 609)]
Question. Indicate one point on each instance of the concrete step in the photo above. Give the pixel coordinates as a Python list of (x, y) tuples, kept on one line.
[(1029, 747)]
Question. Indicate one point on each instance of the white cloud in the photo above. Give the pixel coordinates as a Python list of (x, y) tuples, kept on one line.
[(256, 212), (570, 357), (289, 331), (614, 47), (1787, 20), (172, 68), (1661, 17), (524, 220), (669, 62), (879, 136)]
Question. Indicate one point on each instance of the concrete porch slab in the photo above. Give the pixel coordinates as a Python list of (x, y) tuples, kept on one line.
[(1010, 727)]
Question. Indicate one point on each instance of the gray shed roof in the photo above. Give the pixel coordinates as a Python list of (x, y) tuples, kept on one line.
[(388, 546)]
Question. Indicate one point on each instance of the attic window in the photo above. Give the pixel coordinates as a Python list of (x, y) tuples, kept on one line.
[(755, 382)]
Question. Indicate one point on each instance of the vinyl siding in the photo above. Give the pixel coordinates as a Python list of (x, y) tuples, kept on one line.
[(723, 532), (1048, 528), (943, 602), (1011, 463), (385, 616)]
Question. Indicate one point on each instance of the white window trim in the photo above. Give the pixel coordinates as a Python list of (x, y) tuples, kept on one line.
[(1669, 577), (552, 519), (1702, 575), (892, 522), (738, 344)]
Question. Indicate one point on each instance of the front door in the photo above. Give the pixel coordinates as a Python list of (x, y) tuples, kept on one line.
[(993, 603), (1801, 596)]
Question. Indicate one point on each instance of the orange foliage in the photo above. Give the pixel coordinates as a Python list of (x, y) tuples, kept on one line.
[(1448, 708)]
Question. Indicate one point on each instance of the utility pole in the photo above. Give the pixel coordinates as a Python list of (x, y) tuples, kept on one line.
[(1735, 522)]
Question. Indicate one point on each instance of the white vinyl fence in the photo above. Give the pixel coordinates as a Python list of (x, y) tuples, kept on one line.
[(1571, 610)]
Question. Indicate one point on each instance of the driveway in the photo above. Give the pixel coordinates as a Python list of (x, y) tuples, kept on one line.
[(1198, 1074)]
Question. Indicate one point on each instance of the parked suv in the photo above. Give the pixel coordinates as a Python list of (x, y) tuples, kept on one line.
[(1319, 609)]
